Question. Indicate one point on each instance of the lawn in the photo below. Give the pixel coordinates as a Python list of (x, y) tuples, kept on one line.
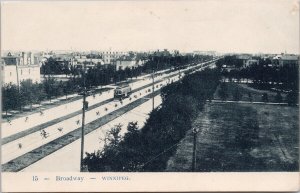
[(241, 137), (244, 90)]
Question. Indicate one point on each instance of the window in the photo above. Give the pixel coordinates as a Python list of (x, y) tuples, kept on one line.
[(29, 71), (21, 72), (9, 73)]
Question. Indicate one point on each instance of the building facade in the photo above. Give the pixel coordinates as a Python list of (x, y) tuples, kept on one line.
[(15, 69), (286, 60), (110, 57)]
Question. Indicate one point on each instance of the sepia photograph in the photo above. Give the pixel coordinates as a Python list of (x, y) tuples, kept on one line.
[(123, 88)]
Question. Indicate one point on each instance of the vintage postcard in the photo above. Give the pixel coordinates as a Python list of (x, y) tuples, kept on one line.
[(127, 96)]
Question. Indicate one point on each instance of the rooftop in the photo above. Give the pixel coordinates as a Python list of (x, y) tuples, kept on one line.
[(286, 57)]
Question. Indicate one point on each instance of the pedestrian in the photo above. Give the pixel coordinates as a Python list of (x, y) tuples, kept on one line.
[(60, 129), (44, 134)]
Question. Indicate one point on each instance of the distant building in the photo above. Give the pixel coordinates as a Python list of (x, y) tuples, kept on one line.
[(109, 57), (209, 53), (79, 61), (250, 62), (128, 62), (15, 69), (286, 60), (244, 58), (163, 52), (90, 63)]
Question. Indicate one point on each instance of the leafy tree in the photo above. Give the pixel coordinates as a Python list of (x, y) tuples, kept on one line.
[(292, 98), (5, 99), (223, 91), (40, 92), (28, 93), (10, 97), (237, 95), (52, 66), (114, 135), (265, 97), (250, 96), (68, 87), (278, 98), (58, 89), (49, 87)]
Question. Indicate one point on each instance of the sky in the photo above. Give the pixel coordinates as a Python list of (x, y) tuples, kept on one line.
[(252, 26)]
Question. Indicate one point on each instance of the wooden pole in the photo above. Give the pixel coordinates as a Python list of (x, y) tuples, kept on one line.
[(83, 120), (153, 90), (194, 150)]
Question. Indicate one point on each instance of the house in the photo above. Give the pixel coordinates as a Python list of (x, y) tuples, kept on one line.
[(109, 57), (250, 62), (15, 69), (286, 60), (128, 62), (243, 59), (79, 61)]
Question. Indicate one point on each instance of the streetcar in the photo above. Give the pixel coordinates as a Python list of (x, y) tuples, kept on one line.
[(122, 91)]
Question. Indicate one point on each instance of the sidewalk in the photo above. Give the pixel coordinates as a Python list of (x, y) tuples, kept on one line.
[(248, 102)]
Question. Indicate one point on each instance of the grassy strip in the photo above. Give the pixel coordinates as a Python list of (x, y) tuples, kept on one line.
[(50, 123), (45, 150), (48, 106)]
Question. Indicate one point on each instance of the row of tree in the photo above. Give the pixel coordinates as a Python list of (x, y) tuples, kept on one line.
[(102, 75), (285, 77), (153, 62), (291, 98), (52, 66), (29, 93), (264, 75), (149, 148)]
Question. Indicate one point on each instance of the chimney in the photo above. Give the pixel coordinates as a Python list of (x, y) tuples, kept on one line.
[(24, 57)]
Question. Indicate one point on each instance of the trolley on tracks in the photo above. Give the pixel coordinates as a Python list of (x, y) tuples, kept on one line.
[(122, 91)]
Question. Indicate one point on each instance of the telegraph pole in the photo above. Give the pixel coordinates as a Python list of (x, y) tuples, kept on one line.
[(152, 90), (83, 120), (195, 131)]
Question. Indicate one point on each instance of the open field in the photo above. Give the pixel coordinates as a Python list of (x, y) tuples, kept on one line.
[(242, 137), (244, 90)]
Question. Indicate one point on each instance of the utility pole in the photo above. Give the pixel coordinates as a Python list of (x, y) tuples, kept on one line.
[(153, 82), (152, 90), (195, 131), (83, 120)]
